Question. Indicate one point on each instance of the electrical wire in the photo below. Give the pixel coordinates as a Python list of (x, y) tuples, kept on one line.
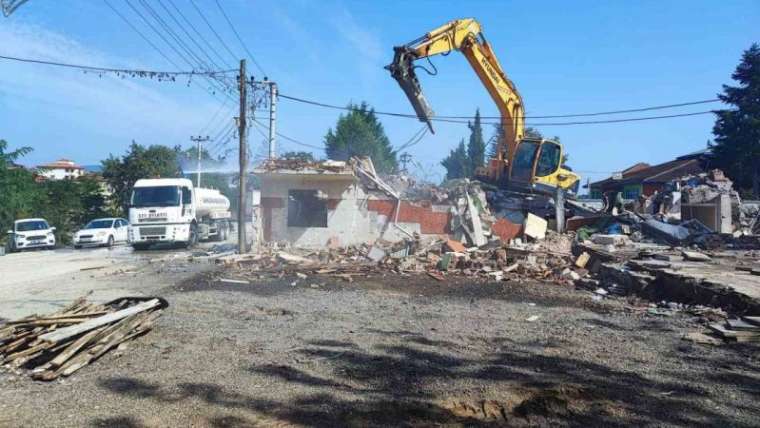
[(213, 83), (129, 24), (187, 33), (170, 31), (454, 119), (256, 63), (208, 24), (137, 72), (292, 140), (198, 33)]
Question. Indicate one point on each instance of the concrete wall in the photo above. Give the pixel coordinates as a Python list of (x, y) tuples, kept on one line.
[(353, 215)]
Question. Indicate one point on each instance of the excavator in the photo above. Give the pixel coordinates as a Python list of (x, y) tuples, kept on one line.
[(523, 164)]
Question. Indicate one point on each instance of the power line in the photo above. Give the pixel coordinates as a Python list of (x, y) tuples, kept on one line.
[(127, 71), (124, 18), (198, 33), (169, 30), (292, 140), (208, 24), (455, 119), (239, 38), (173, 48), (634, 119), (189, 36)]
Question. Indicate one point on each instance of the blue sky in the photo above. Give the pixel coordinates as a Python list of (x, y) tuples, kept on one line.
[(564, 57)]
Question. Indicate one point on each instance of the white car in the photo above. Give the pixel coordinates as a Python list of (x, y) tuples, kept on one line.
[(102, 232), (31, 233)]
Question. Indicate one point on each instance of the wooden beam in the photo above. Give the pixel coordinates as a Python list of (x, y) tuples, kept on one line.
[(68, 332)]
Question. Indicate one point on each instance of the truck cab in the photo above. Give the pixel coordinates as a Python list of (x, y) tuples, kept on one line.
[(162, 210)]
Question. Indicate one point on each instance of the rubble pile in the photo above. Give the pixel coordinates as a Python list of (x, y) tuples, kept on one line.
[(63, 342)]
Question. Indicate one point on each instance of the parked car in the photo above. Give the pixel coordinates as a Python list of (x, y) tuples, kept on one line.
[(102, 232), (30, 233)]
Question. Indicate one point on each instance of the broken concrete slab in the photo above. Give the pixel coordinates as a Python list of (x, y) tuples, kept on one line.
[(616, 240), (535, 226), (695, 256)]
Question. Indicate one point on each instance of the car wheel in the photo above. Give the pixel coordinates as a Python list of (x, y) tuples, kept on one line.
[(77, 247), (110, 242)]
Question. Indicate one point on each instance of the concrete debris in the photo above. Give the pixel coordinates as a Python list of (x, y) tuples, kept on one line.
[(535, 227), (63, 342)]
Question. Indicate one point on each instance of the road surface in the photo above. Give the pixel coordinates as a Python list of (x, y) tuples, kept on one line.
[(44, 281)]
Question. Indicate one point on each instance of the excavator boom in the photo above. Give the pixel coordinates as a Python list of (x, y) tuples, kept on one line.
[(465, 36)]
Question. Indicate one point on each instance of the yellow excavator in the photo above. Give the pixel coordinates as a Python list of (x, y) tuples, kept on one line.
[(524, 164)]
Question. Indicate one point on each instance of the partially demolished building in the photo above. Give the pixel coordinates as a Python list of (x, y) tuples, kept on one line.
[(334, 204)]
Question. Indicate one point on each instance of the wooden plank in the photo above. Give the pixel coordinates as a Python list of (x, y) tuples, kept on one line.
[(108, 342), (28, 351), (68, 332), (736, 324), (752, 320), (48, 372), (74, 348), (725, 332)]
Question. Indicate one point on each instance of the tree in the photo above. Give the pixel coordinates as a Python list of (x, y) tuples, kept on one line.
[(70, 204), (360, 133), (736, 148), (302, 156), (19, 194), (476, 147), (65, 204), (139, 162), (496, 138), (457, 163)]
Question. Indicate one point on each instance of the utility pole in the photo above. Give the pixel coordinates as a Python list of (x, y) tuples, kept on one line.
[(405, 159), (272, 118), (243, 155), (199, 140)]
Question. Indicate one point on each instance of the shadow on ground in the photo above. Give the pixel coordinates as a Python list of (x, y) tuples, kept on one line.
[(417, 381)]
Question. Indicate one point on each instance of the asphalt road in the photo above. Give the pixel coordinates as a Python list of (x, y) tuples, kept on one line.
[(43, 281)]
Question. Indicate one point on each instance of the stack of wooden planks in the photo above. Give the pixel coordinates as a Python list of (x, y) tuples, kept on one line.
[(744, 329), (63, 342)]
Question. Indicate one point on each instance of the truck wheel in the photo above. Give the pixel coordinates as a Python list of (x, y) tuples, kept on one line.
[(193, 236), (140, 247)]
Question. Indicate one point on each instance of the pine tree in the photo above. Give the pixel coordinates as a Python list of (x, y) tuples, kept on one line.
[(737, 130), (457, 163), (360, 133), (476, 147)]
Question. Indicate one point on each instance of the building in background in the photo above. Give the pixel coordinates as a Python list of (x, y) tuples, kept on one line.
[(62, 169), (644, 179)]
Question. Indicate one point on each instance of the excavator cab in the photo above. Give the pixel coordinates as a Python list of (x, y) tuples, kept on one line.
[(537, 166)]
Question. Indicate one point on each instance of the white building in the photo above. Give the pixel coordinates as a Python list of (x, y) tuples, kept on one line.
[(62, 169)]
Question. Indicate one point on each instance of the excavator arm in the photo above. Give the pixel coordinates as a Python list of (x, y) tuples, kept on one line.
[(465, 36), (462, 35)]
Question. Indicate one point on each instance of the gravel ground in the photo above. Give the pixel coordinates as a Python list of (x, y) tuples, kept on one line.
[(390, 351)]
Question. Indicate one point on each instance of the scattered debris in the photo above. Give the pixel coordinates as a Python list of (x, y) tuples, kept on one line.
[(63, 342)]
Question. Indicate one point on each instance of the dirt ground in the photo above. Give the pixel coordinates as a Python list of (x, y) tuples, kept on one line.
[(398, 351)]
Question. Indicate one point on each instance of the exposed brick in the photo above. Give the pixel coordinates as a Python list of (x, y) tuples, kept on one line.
[(431, 222), (506, 230)]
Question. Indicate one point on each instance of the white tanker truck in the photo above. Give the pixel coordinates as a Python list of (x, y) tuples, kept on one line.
[(171, 210)]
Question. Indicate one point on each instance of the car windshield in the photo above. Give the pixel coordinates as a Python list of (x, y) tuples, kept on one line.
[(99, 224), (161, 196), (26, 226)]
